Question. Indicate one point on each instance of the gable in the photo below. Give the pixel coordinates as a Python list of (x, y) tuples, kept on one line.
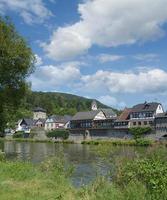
[(159, 109), (100, 116)]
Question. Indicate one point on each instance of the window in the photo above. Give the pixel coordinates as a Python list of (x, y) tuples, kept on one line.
[(139, 123), (150, 122), (134, 123), (145, 122)]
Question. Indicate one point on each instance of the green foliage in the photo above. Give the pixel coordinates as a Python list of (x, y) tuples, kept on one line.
[(18, 134), (63, 134), (2, 156), (16, 63), (151, 171), (137, 179), (137, 142), (59, 103), (137, 132), (143, 142)]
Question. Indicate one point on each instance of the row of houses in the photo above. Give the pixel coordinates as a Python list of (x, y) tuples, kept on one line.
[(141, 115), (147, 114), (40, 120)]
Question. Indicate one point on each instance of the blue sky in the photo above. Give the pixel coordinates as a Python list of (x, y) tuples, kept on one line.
[(111, 50)]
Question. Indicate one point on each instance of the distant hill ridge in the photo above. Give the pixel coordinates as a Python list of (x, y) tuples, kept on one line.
[(60, 103)]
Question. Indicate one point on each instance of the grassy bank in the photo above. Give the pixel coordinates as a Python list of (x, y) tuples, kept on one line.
[(37, 140), (135, 179), (130, 142), (114, 142)]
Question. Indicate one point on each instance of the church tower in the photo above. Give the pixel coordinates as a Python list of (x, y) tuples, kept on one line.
[(94, 105)]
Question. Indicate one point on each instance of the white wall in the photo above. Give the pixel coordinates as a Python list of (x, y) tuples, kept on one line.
[(100, 116)]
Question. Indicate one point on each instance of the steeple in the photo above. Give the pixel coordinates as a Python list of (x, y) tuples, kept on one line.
[(94, 105)]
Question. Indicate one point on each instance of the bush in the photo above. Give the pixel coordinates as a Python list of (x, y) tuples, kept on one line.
[(151, 171), (143, 142), (2, 156), (18, 134), (63, 134), (137, 132)]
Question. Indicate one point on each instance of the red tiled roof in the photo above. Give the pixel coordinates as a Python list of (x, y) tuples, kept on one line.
[(125, 114)]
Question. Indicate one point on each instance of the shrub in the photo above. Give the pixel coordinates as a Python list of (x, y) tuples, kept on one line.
[(2, 156), (143, 142), (151, 171), (18, 134), (63, 134), (137, 132)]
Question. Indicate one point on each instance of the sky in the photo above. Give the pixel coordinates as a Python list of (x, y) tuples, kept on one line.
[(114, 51)]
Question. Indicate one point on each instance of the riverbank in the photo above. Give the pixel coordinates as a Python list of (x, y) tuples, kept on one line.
[(134, 179), (125, 142)]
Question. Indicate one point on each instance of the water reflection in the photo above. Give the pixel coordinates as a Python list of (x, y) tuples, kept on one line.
[(86, 162)]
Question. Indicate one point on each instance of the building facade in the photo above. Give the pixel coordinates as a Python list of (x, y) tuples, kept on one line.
[(39, 113), (57, 122), (95, 119), (161, 124), (144, 114)]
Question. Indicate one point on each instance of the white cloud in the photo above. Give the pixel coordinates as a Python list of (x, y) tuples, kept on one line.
[(32, 11), (111, 101), (146, 57), (38, 60), (50, 77), (109, 23), (150, 81), (109, 58)]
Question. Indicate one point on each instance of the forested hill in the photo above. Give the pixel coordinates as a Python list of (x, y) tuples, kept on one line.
[(58, 103)]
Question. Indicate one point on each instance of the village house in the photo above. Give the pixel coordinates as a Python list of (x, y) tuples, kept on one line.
[(123, 121), (144, 114), (39, 113), (94, 119), (24, 125), (38, 120), (57, 122)]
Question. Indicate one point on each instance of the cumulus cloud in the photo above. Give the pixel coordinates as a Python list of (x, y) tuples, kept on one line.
[(50, 77), (109, 58), (32, 11), (146, 57), (38, 60), (112, 101), (100, 83), (108, 23), (150, 81)]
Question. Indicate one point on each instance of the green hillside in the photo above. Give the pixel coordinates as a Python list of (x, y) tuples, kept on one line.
[(55, 103)]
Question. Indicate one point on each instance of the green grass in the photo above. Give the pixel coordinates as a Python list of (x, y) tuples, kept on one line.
[(141, 178), (130, 142)]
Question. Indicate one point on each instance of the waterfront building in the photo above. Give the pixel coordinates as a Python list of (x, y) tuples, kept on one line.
[(57, 122), (143, 115), (39, 113), (24, 125), (95, 119), (123, 121)]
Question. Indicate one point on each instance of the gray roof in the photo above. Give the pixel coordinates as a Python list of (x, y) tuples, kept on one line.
[(89, 115), (38, 109), (145, 107), (109, 113), (61, 119), (41, 120), (28, 121)]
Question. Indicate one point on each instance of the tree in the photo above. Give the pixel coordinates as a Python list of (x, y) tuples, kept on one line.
[(16, 64)]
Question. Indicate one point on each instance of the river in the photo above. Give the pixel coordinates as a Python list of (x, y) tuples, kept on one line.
[(87, 163)]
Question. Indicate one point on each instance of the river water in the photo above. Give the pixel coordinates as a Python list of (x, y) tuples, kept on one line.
[(87, 163)]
